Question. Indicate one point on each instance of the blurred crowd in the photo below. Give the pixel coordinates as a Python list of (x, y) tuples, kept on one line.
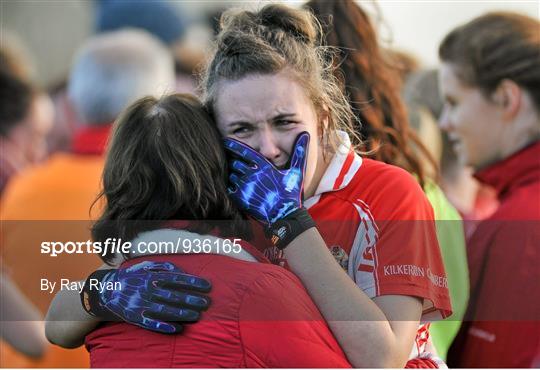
[(468, 131)]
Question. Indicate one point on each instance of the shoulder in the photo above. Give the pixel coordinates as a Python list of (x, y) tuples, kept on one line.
[(379, 175), (515, 222), (521, 204), (389, 191), (280, 326), (25, 188), (270, 279), (264, 297), (61, 168)]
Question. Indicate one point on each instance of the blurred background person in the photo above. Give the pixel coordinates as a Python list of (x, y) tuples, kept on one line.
[(182, 33), (21, 325), (423, 109), (161, 19), (474, 201), (109, 72), (373, 85), (25, 120), (424, 106), (26, 117), (490, 81)]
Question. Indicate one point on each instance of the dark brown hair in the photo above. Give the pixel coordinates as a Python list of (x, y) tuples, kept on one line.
[(372, 84), (271, 40), (494, 47), (165, 162), (15, 100)]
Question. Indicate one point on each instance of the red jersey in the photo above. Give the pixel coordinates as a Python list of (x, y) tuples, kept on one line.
[(502, 325), (378, 223), (260, 316)]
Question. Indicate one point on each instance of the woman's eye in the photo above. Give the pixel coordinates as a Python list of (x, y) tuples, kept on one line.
[(451, 103), (285, 122), (241, 131)]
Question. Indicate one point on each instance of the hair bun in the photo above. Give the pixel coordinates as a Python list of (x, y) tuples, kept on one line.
[(273, 19), (297, 23)]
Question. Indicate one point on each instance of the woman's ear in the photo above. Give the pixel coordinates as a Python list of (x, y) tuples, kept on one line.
[(324, 119), (508, 97)]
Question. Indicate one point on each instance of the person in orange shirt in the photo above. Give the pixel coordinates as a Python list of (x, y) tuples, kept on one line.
[(26, 118), (110, 72)]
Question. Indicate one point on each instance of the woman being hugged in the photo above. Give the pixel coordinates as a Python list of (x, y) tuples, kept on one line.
[(268, 82)]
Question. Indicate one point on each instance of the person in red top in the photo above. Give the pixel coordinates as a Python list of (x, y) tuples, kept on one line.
[(372, 216), (490, 82), (251, 322), (353, 218), (261, 315), (267, 85)]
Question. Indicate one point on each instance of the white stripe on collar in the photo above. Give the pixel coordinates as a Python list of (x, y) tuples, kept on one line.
[(334, 168)]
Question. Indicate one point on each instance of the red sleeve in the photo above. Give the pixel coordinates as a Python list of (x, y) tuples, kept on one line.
[(404, 255), (280, 326)]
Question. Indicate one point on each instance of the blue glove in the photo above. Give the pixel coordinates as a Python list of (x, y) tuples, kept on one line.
[(260, 189), (156, 296)]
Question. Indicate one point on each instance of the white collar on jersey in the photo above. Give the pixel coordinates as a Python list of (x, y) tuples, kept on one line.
[(335, 169)]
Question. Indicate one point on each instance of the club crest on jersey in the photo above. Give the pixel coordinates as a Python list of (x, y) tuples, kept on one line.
[(341, 256)]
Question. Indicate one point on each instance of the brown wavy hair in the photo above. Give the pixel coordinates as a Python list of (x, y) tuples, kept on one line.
[(372, 83), (273, 39), (494, 47), (165, 162)]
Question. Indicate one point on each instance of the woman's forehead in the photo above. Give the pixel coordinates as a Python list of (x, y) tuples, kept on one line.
[(257, 98)]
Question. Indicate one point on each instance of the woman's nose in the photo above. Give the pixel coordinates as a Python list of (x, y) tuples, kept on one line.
[(268, 145), (444, 120)]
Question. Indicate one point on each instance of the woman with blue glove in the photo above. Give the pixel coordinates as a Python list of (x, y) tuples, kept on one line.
[(268, 194), (267, 82)]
